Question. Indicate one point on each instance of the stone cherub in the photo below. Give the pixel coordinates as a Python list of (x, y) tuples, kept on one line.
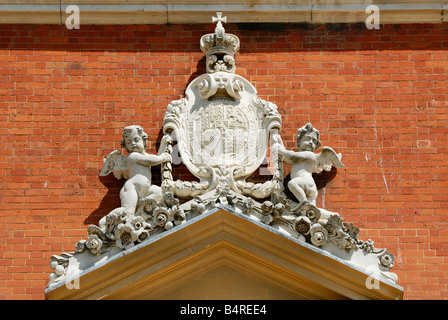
[(305, 162), (136, 167)]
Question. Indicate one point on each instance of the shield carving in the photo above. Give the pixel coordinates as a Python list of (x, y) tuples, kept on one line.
[(222, 129)]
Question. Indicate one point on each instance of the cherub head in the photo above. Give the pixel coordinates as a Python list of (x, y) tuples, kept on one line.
[(307, 138), (134, 139)]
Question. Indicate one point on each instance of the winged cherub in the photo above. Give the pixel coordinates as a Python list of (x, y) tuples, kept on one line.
[(136, 167), (305, 162)]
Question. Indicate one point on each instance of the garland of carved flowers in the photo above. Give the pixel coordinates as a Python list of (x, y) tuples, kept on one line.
[(152, 217)]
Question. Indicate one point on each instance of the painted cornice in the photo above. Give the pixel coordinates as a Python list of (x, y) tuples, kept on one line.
[(239, 11)]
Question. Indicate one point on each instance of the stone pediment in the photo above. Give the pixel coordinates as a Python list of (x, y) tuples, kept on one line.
[(222, 226), (222, 244)]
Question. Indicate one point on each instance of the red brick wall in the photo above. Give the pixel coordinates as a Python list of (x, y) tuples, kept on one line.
[(378, 96)]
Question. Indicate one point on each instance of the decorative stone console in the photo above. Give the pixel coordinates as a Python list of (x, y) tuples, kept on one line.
[(164, 240)]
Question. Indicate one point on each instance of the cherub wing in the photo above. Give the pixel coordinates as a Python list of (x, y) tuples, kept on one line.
[(115, 162), (326, 159)]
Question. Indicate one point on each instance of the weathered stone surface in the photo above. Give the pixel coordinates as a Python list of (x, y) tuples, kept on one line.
[(223, 131)]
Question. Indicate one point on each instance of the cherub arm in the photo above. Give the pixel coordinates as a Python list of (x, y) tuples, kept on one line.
[(150, 160), (326, 159), (289, 156), (115, 162)]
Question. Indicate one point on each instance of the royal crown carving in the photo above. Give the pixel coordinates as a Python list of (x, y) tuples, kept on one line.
[(223, 132), (220, 48)]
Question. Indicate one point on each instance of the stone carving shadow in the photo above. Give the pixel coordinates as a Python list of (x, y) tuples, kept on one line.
[(324, 177), (321, 180), (109, 202), (200, 69)]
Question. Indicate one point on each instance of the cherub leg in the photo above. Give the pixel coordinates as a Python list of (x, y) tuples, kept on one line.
[(129, 197), (155, 192), (296, 186), (311, 192)]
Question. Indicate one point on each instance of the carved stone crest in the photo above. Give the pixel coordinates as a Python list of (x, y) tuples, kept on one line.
[(223, 125), (224, 132)]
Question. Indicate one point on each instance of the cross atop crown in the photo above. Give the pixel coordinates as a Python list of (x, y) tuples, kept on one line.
[(219, 30), (219, 19)]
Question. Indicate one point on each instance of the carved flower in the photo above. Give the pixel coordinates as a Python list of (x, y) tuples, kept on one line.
[(125, 236), (387, 260), (178, 215), (148, 205), (302, 225), (334, 222), (137, 223), (267, 207), (248, 204), (318, 235), (343, 239), (108, 223), (94, 243), (161, 219), (142, 236), (309, 210), (80, 246), (170, 200), (352, 230), (161, 216)]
